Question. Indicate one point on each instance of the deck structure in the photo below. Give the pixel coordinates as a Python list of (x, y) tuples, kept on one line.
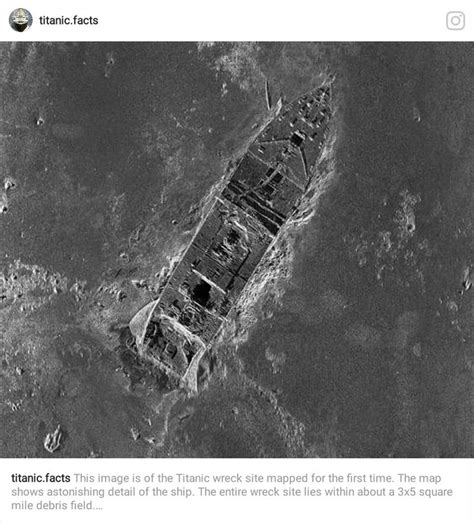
[(175, 330)]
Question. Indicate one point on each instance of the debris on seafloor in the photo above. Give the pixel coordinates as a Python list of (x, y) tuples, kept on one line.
[(135, 433), (109, 64), (268, 95), (3, 204), (416, 114), (466, 280), (139, 283), (52, 441), (8, 184)]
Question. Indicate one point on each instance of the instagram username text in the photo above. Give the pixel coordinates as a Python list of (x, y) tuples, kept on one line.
[(67, 20)]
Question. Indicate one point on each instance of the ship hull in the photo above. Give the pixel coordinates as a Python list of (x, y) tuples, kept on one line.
[(242, 223)]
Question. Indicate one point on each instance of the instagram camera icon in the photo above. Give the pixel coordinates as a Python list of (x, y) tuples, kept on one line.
[(455, 20)]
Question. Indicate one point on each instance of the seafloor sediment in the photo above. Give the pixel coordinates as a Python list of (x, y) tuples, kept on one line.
[(353, 337)]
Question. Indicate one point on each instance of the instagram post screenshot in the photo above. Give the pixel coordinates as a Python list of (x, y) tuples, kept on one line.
[(236, 262)]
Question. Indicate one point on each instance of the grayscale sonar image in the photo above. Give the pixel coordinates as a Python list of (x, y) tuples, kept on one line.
[(236, 249)]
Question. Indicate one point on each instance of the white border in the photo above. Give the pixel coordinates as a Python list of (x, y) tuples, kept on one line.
[(456, 474), (259, 20)]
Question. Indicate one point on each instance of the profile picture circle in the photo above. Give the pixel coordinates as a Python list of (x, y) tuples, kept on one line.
[(20, 19)]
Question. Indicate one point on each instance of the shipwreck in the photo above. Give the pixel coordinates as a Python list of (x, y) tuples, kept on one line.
[(174, 331)]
